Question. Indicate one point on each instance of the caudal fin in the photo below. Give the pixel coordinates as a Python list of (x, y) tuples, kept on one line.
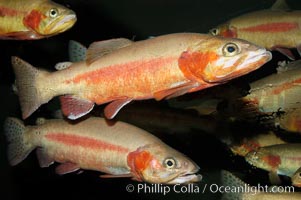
[(29, 96), (229, 180), (18, 147)]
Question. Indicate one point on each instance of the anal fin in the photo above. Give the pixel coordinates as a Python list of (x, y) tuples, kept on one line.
[(113, 108), (74, 107), (43, 158), (66, 168)]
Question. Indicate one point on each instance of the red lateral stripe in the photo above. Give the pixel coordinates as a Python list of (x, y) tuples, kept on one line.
[(272, 27), (296, 158), (286, 86), (4, 11), (81, 141), (93, 77)]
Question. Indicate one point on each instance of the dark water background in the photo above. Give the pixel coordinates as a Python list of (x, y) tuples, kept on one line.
[(133, 19)]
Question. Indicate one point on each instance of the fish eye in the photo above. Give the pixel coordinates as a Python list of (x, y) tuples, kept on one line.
[(214, 31), (230, 49), (300, 174), (53, 12), (169, 163)]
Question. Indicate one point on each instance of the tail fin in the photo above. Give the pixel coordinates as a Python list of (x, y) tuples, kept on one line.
[(18, 147), (29, 97), (229, 180)]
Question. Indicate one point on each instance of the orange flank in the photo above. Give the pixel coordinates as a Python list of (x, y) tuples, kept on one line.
[(273, 27), (33, 19), (81, 141), (136, 67), (4, 11)]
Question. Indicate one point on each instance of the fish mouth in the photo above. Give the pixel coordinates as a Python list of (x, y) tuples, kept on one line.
[(61, 24), (256, 61), (247, 64), (188, 177)]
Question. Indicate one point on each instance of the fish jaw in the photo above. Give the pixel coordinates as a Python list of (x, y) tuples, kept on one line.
[(189, 177), (61, 24), (250, 63), (225, 68), (149, 164)]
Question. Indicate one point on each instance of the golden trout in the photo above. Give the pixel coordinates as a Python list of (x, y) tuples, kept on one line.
[(33, 19), (118, 71), (121, 150), (282, 159), (274, 29)]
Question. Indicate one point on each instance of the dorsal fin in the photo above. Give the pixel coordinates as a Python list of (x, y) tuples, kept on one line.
[(280, 5), (77, 51), (99, 49)]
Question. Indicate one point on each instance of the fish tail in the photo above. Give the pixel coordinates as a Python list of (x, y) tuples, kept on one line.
[(229, 180), (18, 147), (29, 95)]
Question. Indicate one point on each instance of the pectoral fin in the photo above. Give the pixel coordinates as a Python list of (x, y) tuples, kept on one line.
[(113, 108), (174, 92), (66, 168), (99, 49), (288, 53), (299, 49), (74, 107), (274, 178), (116, 176)]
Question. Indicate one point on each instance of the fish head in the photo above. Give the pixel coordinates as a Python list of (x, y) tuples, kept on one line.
[(47, 18), (158, 164), (262, 159), (244, 148), (224, 30), (296, 178), (217, 59)]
